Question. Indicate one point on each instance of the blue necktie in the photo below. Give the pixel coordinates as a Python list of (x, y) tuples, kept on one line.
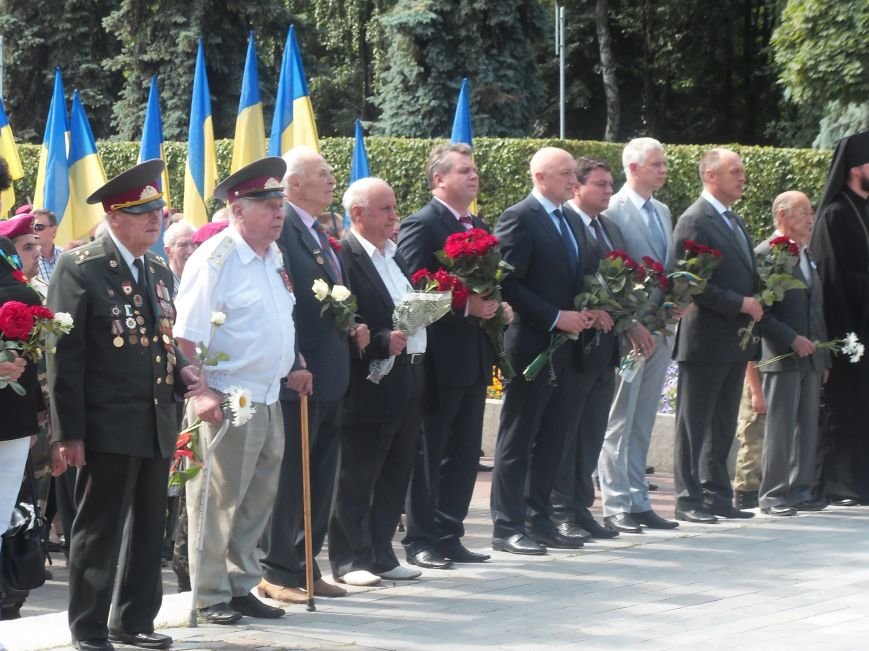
[(655, 227), (567, 238)]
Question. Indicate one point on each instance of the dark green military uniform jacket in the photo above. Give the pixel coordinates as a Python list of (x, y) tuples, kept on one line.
[(113, 378)]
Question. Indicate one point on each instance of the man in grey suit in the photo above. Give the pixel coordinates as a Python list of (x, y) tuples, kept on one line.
[(308, 255), (792, 386), (646, 227), (711, 360)]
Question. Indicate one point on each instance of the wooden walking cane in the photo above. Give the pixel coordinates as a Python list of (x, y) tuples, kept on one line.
[(306, 503)]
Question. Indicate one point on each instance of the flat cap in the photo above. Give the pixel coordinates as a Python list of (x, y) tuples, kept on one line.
[(133, 191), (259, 180)]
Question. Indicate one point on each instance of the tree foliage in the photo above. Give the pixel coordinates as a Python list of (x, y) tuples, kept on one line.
[(433, 44)]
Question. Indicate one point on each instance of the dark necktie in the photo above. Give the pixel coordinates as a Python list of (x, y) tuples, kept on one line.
[(567, 238), (145, 287), (602, 247), (738, 234), (467, 222), (328, 253)]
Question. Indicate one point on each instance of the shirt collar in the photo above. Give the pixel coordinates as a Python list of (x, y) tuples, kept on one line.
[(388, 250), (548, 206), (306, 217), (245, 253), (124, 251), (720, 207), (585, 218), (452, 210), (636, 198)]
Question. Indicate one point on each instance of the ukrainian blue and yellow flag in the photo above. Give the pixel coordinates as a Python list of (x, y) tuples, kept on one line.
[(9, 152), (250, 131), (201, 170), (52, 177), (152, 147), (462, 131), (358, 164), (293, 123), (86, 175)]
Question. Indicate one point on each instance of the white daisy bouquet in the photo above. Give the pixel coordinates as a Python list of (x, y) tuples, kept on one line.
[(849, 345)]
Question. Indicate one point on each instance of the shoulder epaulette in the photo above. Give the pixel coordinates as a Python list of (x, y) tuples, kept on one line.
[(82, 254), (153, 257), (221, 251)]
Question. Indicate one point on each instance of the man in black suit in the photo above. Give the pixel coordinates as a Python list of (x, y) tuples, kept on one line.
[(792, 386), (309, 255), (458, 369), (711, 360), (381, 420), (598, 353), (545, 247), (112, 383)]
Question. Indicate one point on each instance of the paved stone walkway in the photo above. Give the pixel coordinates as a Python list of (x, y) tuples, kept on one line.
[(767, 583)]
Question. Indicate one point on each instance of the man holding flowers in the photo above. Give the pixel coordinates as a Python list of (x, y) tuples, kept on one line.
[(458, 368), (792, 385), (239, 273), (711, 360), (318, 275)]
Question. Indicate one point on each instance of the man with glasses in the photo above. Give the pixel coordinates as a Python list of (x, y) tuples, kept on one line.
[(178, 245), (45, 227)]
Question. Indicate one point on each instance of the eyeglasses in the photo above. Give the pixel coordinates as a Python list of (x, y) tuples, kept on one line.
[(41, 227)]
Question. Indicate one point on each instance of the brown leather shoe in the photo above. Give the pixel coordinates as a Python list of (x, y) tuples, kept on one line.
[(323, 589), (283, 593)]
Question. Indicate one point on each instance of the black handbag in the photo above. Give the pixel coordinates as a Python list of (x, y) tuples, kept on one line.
[(22, 558)]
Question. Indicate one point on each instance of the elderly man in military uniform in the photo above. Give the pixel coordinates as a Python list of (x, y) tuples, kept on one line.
[(240, 273), (113, 383)]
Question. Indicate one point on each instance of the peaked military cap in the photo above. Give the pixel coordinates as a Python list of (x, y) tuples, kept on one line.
[(134, 191), (259, 180)]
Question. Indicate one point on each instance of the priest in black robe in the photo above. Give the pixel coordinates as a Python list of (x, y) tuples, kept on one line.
[(840, 246)]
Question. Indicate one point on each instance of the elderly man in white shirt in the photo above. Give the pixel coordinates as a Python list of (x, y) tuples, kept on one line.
[(381, 421), (239, 273)]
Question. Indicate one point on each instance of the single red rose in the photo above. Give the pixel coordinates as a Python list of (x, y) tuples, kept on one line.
[(715, 252), (460, 296), (648, 261), (335, 244), (657, 267), (18, 275), (689, 245), (16, 320), (183, 452), (40, 312), (445, 280), (781, 240), (664, 282), (794, 249), (420, 277), (183, 440)]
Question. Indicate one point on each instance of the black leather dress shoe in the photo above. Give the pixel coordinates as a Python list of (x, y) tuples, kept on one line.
[(144, 640), (779, 510), (587, 522), (695, 515), (811, 505), (729, 512), (428, 558), (652, 520), (458, 553), (844, 501), (93, 645), (518, 543), (622, 522), (551, 537), (219, 614), (572, 530), (250, 606)]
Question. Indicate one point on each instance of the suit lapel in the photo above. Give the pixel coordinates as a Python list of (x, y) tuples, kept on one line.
[(367, 267), (727, 233), (311, 244), (448, 220)]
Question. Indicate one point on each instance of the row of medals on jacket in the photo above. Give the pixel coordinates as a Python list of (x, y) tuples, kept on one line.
[(136, 332)]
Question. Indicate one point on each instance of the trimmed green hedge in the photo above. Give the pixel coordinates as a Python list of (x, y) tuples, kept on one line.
[(503, 167)]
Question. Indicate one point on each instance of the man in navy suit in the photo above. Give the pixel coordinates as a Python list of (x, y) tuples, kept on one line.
[(711, 360), (308, 255), (545, 247), (458, 369)]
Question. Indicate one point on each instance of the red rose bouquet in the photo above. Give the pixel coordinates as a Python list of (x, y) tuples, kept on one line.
[(23, 329), (688, 279), (776, 272), (473, 256), (442, 281)]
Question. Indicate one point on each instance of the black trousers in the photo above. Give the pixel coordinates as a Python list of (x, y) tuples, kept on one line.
[(573, 491), (445, 466), (535, 419), (107, 489), (284, 538), (377, 463), (706, 414)]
